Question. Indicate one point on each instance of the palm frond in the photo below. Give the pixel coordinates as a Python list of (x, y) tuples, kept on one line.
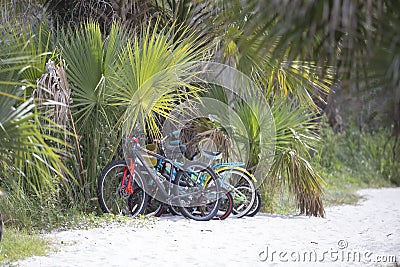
[(155, 75), (295, 141), (89, 57)]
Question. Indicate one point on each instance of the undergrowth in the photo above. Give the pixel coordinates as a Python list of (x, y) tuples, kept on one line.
[(26, 218), (347, 161)]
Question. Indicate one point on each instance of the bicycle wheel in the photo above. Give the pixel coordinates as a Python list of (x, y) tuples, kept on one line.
[(154, 207), (242, 188), (114, 197), (174, 210), (202, 203), (256, 206), (226, 205)]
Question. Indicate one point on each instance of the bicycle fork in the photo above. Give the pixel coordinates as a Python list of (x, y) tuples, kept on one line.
[(126, 182)]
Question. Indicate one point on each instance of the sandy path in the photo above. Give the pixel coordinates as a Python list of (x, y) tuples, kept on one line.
[(368, 232)]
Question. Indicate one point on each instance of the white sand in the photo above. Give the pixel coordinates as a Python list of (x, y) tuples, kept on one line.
[(369, 232)]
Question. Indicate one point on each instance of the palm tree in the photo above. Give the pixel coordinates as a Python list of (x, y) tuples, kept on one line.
[(295, 140), (304, 82), (88, 58), (117, 77), (359, 38), (108, 73)]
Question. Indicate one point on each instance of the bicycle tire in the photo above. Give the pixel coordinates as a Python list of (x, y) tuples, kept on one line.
[(154, 208), (226, 205), (256, 206), (113, 198), (242, 188), (209, 209), (174, 210)]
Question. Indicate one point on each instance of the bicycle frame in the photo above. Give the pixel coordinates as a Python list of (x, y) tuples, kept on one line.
[(218, 166), (226, 166), (231, 166), (139, 159), (175, 166)]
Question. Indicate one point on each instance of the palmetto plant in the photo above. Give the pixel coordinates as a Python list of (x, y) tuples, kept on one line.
[(25, 155), (300, 79), (296, 140), (292, 86), (155, 75), (286, 47), (88, 59), (120, 77), (106, 79)]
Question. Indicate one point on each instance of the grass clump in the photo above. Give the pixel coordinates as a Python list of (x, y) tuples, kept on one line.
[(18, 244), (26, 217), (84, 221)]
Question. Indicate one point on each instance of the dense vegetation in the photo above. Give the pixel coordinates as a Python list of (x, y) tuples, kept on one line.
[(69, 69)]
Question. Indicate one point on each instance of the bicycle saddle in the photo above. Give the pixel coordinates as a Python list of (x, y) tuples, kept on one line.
[(212, 155)]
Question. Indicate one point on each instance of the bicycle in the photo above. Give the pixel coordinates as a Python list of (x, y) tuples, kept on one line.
[(157, 208), (235, 179), (126, 190), (226, 200)]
